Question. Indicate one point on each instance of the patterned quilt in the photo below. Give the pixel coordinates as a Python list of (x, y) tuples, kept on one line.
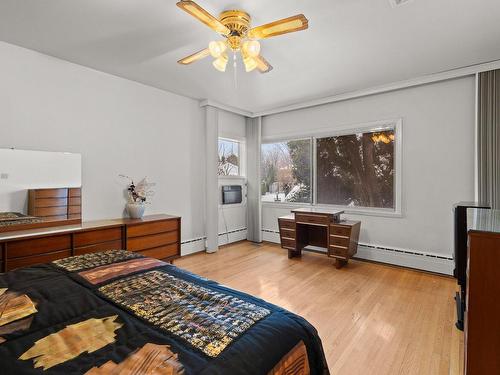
[(117, 312)]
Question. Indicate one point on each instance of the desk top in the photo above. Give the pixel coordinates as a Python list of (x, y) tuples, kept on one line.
[(315, 210)]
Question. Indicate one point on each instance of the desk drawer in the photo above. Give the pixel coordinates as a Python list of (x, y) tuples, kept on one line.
[(288, 243), (286, 232), (340, 230), (312, 219), (338, 251), (289, 224), (339, 241)]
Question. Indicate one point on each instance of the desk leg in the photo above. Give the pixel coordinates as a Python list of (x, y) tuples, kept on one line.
[(339, 263), (294, 253)]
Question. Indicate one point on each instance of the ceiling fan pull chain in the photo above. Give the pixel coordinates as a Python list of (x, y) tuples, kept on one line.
[(234, 69)]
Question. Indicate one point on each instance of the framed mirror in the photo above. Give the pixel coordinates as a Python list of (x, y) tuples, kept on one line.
[(39, 189)]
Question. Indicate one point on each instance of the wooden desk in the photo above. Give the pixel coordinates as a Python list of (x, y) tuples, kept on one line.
[(320, 228)]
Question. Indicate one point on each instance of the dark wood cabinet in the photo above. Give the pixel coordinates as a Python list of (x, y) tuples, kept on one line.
[(482, 312), (156, 236)]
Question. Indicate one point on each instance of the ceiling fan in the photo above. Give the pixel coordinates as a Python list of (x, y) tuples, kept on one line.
[(234, 26)]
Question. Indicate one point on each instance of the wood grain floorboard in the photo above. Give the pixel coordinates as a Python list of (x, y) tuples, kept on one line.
[(372, 318)]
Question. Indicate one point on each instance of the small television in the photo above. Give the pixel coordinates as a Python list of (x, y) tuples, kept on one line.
[(231, 194)]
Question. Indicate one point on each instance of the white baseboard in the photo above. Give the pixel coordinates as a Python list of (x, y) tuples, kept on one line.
[(197, 245), (411, 259), (192, 246), (232, 236)]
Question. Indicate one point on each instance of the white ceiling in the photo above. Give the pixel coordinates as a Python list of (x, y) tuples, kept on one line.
[(350, 44)]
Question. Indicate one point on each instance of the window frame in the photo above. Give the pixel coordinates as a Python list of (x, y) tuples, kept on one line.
[(374, 126), (241, 155), (311, 174)]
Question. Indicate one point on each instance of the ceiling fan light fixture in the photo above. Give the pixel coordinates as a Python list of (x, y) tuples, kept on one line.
[(251, 48), (201, 14), (217, 48), (220, 63), (235, 26), (250, 63)]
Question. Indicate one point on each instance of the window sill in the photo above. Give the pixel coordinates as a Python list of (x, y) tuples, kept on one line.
[(232, 177), (347, 210)]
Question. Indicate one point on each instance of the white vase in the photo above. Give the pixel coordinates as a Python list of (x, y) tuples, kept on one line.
[(136, 210)]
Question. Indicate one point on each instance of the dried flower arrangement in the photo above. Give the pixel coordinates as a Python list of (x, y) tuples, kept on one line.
[(140, 192)]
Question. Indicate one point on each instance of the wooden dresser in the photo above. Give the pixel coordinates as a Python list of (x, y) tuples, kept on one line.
[(319, 228), (156, 236), (482, 312), (55, 204)]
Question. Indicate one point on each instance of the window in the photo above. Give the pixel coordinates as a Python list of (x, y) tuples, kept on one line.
[(356, 170), (286, 171), (229, 157)]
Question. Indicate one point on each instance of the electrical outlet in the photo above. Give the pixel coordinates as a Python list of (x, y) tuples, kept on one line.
[(4, 176)]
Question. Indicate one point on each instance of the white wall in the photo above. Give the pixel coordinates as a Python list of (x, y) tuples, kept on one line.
[(21, 170), (233, 218), (438, 159), (119, 126)]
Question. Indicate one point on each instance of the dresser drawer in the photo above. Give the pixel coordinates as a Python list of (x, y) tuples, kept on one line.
[(162, 252), (75, 201), (152, 228), (23, 248), (74, 210), (154, 240), (288, 243), (339, 240), (51, 211), (51, 193), (322, 220), (97, 236), (51, 202), (11, 264), (339, 230), (102, 246), (75, 192)]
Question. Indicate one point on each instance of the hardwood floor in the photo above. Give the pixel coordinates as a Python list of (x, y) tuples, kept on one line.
[(372, 318)]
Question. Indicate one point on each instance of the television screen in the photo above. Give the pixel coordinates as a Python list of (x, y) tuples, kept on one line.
[(231, 194)]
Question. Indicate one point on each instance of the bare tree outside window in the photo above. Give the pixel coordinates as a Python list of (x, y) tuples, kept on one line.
[(229, 158), (356, 170), (286, 171)]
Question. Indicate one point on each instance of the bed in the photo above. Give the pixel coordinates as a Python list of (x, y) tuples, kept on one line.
[(117, 312)]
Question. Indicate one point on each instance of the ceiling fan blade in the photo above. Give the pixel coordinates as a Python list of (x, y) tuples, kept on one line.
[(262, 64), (201, 14), (194, 57), (284, 26)]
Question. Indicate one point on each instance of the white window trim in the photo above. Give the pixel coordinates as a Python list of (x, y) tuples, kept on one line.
[(311, 140), (396, 124), (242, 155)]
